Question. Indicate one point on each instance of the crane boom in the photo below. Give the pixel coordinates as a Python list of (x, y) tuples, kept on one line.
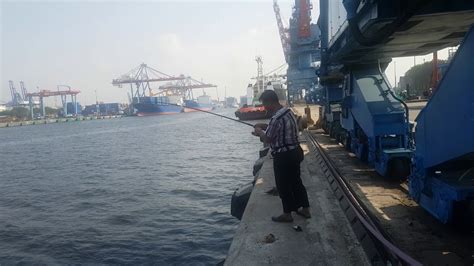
[(23, 90), (285, 43)]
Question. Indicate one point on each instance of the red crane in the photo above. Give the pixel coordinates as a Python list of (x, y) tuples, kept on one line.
[(48, 93), (304, 19)]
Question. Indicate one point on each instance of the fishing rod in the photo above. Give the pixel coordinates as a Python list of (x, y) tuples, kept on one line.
[(212, 113)]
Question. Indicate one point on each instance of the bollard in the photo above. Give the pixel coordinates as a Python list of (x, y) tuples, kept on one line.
[(240, 199), (307, 111), (258, 165), (302, 122), (263, 152), (319, 123)]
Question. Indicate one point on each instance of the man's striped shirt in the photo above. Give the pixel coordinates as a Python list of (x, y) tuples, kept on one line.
[(283, 131)]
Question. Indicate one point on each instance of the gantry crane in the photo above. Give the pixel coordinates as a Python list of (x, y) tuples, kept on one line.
[(17, 98), (139, 80), (141, 77), (23, 90), (183, 87), (50, 93)]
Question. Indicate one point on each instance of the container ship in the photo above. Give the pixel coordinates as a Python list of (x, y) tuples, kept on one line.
[(203, 103), (162, 105)]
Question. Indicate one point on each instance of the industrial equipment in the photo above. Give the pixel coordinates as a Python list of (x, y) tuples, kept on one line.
[(62, 93), (301, 49), (141, 77), (442, 180), (361, 110), (18, 99), (165, 99)]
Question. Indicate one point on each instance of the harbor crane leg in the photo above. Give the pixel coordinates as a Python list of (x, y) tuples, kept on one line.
[(30, 103)]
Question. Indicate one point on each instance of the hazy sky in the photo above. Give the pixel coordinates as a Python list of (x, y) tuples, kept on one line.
[(86, 44)]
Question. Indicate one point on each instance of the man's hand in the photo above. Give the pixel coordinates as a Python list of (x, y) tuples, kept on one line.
[(258, 132), (261, 125)]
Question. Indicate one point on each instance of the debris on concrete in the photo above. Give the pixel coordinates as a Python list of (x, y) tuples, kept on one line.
[(270, 238)]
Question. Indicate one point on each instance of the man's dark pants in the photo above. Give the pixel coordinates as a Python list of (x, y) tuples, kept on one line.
[(286, 166)]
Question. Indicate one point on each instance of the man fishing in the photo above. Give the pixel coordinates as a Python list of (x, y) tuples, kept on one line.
[(282, 135)]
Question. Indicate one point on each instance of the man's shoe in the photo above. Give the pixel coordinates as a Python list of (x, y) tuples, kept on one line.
[(284, 218), (304, 212), (273, 191)]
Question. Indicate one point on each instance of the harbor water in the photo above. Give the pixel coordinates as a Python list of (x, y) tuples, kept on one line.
[(136, 190)]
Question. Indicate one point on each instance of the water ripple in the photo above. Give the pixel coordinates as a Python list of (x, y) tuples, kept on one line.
[(152, 190)]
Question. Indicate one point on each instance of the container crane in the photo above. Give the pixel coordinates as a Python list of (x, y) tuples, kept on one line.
[(17, 99), (23, 90), (139, 80), (183, 87), (141, 77)]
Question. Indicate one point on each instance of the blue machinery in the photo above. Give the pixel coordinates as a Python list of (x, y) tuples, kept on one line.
[(361, 111), (442, 180)]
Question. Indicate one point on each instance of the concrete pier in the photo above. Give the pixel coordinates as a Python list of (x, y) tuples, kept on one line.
[(56, 120), (325, 239)]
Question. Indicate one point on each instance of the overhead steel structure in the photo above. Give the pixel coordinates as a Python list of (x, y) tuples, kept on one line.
[(276, 73), (49, 93), (183, 87), (23, 90), (17, 98), (362, 112), (140, 79)]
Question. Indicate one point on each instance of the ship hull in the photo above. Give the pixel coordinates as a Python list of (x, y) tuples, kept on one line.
[(252, 113), (197, 109), (150, 109), (193, 106)]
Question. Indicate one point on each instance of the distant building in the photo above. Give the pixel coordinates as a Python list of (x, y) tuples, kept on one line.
[(3, 107)]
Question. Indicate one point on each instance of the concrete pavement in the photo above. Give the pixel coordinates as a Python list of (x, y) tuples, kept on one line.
[(325, 239)]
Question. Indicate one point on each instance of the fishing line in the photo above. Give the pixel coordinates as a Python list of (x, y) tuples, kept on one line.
[(212, 113)]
